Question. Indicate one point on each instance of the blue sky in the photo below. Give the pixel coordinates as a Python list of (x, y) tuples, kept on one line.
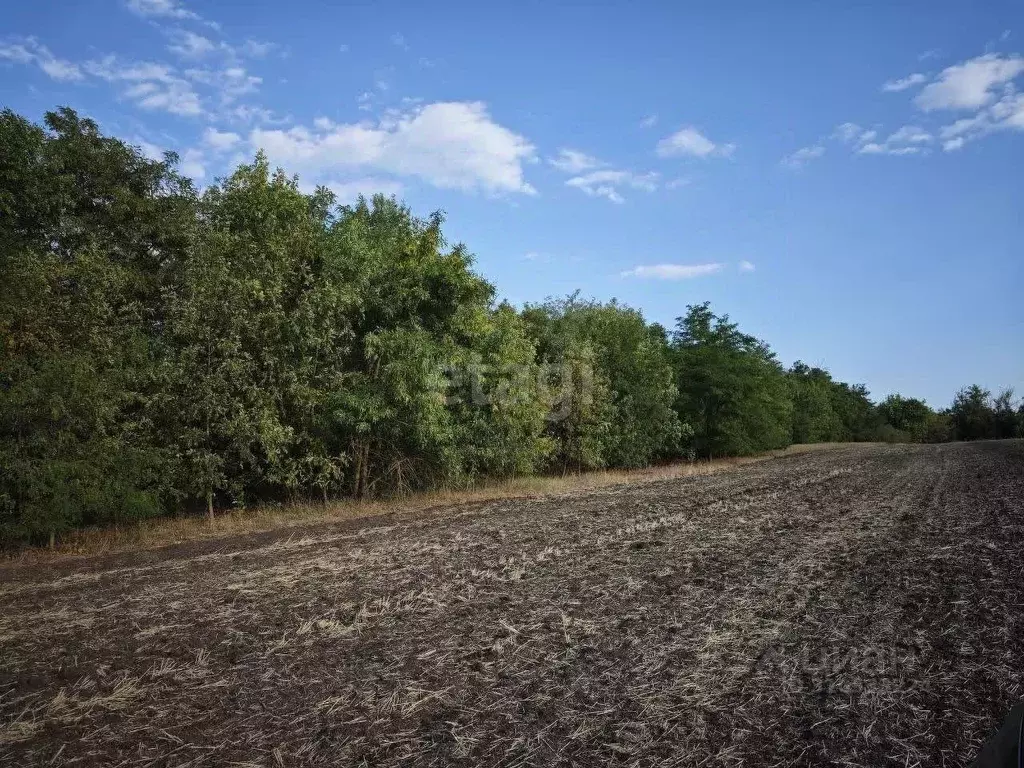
[(845, 183)]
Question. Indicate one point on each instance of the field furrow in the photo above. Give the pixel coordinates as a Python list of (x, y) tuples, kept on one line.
[(856, 606)]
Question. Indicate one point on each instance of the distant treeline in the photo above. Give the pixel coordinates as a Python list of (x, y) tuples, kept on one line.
[(164, 351)]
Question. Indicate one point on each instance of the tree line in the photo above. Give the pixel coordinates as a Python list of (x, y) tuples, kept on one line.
[(165, 350)]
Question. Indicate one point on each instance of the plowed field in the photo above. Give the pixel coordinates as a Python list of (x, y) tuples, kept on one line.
[(862, 605)]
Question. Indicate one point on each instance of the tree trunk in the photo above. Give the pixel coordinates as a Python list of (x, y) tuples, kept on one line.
[(364, 467), (209, 504)]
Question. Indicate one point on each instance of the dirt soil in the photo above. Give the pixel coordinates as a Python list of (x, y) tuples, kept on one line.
[(858, 606)]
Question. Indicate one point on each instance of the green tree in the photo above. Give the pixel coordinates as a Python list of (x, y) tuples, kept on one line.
[(634, 422), (731, 388), (234, 323), (90, 236), (908, 415), (859, 419), (423, 313), (971, 414), (814, 419), (1005, 420)]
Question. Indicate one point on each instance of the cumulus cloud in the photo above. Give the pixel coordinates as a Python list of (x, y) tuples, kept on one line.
[(649, 122), (193, 164), (851, 133), (227, 83), (672, 271), (149, 150), (220, 141), (908, 140), (150, 85), (690, 141), (803, 156), (574, 161), (31, 51), (1006, 114), (607, 183), (164, 9), (747, 266), (983, 85), (448, 144), (257, 49), (593, 177), (910, 134), (875, 148), (895, 86), (189, 45), (971, 84)]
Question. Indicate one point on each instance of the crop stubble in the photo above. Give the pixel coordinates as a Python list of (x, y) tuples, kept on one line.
[(856, 606)]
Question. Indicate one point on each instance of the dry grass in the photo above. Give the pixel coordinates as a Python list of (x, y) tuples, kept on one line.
[(853, 607), (167, 531)]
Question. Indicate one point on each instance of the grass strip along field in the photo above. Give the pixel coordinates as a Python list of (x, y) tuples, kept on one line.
[(862, 605)]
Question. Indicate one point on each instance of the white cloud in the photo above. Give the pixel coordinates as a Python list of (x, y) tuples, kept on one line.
[(677, 183), (247, 113), (649, 122), (803, 156), (908, 140), (189, 45), (229, 83), (984, 85), (690, 141), (151, 86), (594, 178), (177, 97), (149, 150), (971, 84), (257, 49), (193, 164), (672, 271), (1005, 114), (343, 47), (747, 266), (909, 134), (895, 86), (448, 144), (398, 40), (574, 161), (606, 183), (31, 51), (349, 191), (220, 141), (382, 79), (166, 9), (875, 148), (851, 133)]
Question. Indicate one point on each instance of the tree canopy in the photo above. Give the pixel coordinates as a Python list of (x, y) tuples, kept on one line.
[(165, 349)]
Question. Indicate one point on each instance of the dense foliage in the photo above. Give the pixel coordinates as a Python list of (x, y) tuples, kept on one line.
[(164, 350)]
